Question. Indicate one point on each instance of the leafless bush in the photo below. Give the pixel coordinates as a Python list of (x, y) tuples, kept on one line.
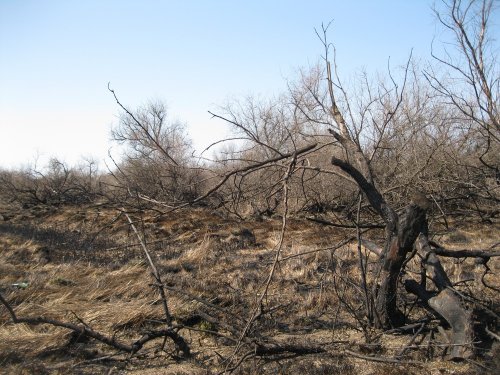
[(469, 83), (54, 185), (157, 164)]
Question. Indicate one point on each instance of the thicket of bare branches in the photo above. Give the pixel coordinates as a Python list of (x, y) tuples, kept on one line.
[(54, 185), (157, 164), (377, 154)]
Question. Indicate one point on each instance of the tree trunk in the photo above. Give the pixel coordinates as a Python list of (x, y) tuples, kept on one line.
[(401, 233), (399, 242)]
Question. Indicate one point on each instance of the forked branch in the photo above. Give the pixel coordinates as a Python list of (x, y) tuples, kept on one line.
[(85, 330)]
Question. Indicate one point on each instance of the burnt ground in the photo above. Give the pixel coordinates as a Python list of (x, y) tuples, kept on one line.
[(84, 265)]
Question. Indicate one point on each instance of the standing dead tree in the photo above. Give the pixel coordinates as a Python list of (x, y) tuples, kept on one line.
[(320, 104), (401, 231)]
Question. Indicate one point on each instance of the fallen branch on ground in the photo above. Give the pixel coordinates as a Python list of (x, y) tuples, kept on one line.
[(465, 253), (85, 330), (347, 226)]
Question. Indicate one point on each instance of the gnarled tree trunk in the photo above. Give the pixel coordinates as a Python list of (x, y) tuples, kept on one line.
[(401, 234), (398, 245)]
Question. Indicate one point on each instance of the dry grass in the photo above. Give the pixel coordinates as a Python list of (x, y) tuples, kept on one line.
[(210, 257)]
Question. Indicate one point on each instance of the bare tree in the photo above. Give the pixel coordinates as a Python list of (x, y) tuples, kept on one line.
[(150, 135), (471, 82), (401, 230), (157, 164)]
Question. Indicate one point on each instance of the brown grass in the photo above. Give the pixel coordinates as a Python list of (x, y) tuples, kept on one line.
[(203, 254)]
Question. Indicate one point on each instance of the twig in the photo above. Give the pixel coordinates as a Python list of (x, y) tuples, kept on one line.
[(347, 226), (407, 327), (202, 300), (258, 307), (135, 244), (363, 265), (380, 359), (178, 339), (494, 335), (466, 253), (156, 274), (412, 340), (329, 248)]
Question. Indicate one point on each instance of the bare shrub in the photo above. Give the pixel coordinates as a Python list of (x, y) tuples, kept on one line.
[(157, 165), (54, 185)]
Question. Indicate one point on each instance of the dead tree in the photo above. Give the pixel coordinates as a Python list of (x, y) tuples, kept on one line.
[(401, 231), (318, 106)]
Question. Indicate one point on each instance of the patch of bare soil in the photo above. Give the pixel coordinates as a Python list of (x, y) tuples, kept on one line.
[(85, 266)]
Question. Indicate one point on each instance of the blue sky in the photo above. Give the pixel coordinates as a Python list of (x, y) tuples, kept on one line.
[(56, 58)]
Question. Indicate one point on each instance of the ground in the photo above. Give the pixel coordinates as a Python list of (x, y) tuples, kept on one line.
[(84, 265)]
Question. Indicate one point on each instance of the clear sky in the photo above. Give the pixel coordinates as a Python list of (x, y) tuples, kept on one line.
[(57, 57)]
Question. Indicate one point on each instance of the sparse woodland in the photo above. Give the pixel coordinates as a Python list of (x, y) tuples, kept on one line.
[(341, 229)]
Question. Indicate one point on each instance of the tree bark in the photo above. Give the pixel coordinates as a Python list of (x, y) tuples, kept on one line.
[(446, 303), (401, 233), (398, 245)]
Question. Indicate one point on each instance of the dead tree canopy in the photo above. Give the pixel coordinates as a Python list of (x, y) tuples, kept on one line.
[(401, 231)]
